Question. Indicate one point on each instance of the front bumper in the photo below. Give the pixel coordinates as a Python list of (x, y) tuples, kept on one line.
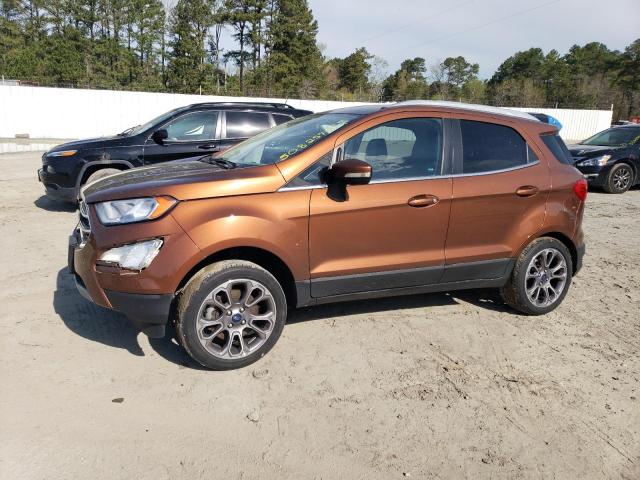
[(595, 175), (145, 297), (53, 188), (148, 312)]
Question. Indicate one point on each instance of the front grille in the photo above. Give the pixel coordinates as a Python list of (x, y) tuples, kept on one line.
[(84, 225)]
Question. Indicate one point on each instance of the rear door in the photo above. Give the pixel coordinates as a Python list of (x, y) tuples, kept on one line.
[(390, 233), (189, 135), (500, 190), (239, 125)]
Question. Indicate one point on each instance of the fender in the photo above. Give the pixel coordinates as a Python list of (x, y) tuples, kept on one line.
[(99, 162)]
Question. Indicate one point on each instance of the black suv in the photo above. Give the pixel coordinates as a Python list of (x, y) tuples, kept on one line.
[(199, 129), (610, 159)]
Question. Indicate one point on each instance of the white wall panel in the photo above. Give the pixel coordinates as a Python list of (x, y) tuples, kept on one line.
[(76, 113)]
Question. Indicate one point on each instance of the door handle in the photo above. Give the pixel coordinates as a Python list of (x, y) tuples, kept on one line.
[(209, 146), (527, 191), (420, 201)]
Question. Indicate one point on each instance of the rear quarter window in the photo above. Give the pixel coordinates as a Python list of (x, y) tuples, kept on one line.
[(558, 148)]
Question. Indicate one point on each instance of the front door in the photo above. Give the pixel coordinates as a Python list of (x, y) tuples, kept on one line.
[(390, 233), (190, 135), (500, 190)]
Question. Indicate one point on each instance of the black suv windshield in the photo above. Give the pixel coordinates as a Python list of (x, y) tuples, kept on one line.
[(287, 140), (145, 126), (615, 137)]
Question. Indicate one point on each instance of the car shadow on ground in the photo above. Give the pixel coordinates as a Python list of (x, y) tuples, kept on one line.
[(488, 299), (109, 327), (113, 329), (51, 205)]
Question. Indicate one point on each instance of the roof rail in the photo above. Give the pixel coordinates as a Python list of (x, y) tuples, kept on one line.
[(248, 104), (468, 106)]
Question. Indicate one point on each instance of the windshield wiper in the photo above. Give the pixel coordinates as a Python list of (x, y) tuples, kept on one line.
[(221, 162)]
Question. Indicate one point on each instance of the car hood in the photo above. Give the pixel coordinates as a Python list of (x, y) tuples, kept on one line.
[(89, 143), (588, 151), (188, 179)]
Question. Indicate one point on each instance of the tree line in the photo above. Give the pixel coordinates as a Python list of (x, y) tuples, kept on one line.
[(140, 45)]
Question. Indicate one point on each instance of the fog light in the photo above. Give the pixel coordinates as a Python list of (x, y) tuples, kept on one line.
[(136, 256)]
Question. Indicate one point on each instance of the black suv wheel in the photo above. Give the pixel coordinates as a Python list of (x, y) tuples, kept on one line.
[(620, 178)]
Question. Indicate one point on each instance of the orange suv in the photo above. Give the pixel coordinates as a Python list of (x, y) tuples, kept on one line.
[(350, 204)]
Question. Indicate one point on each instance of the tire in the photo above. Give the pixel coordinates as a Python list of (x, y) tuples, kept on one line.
[(620, 178), (99, 174), (228, 338), (546, 281)]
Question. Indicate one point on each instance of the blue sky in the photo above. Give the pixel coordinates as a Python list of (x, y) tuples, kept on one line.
[(483, 31)]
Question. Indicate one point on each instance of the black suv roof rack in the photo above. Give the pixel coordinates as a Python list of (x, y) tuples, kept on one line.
[(248, 104)]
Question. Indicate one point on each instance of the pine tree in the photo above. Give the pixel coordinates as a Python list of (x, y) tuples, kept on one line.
[(294, 60), (190, 23)]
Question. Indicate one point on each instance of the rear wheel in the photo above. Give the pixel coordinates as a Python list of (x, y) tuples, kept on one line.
[(230, 314), (620, 178), (541, 277)]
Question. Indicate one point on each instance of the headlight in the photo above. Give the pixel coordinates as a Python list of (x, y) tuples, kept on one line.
[(136, 256), (595, 162), (119, 212), (64, 153)]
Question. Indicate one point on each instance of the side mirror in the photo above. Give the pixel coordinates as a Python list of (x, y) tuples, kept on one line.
[(350, 172), (160, 136)]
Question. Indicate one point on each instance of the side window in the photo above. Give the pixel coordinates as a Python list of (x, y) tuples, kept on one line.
[(246, 124), (313, 176), (193, 127), (279, 118), (400, 149), (488, 147)]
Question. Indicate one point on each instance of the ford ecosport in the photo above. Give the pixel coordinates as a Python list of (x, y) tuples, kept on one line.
[(350, 204)]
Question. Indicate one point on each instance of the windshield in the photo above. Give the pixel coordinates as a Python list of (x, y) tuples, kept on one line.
[(287, 140), (614, 137), (145, 126)]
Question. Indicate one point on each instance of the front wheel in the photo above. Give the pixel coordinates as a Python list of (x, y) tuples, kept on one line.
[(541, 277), (620, 178), (230, 314)]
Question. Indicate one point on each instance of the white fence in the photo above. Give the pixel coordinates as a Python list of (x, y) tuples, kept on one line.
[(41, 112), (577, 124)]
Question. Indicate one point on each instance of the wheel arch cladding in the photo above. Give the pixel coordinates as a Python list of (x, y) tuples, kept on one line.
[(93, 167), (567, 242), (261, 257)]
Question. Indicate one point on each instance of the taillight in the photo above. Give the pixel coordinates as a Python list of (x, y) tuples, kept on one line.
[(581, 188)]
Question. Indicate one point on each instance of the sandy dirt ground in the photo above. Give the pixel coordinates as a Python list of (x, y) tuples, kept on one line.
[(434, 386)]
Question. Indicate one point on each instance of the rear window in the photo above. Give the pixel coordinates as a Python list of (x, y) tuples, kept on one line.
[(488, 147), (558, 148)]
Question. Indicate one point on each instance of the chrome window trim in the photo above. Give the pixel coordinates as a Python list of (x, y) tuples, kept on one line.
[(417, 179), (492, 172)]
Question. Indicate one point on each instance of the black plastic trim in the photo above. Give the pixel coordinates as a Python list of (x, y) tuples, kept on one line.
[(364, 282), (581, 251), (482, 274), (150, 313), (486, 269)]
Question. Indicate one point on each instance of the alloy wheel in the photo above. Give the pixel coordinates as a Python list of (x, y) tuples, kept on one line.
[(546, 277), (622, 178), (236, 318)]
